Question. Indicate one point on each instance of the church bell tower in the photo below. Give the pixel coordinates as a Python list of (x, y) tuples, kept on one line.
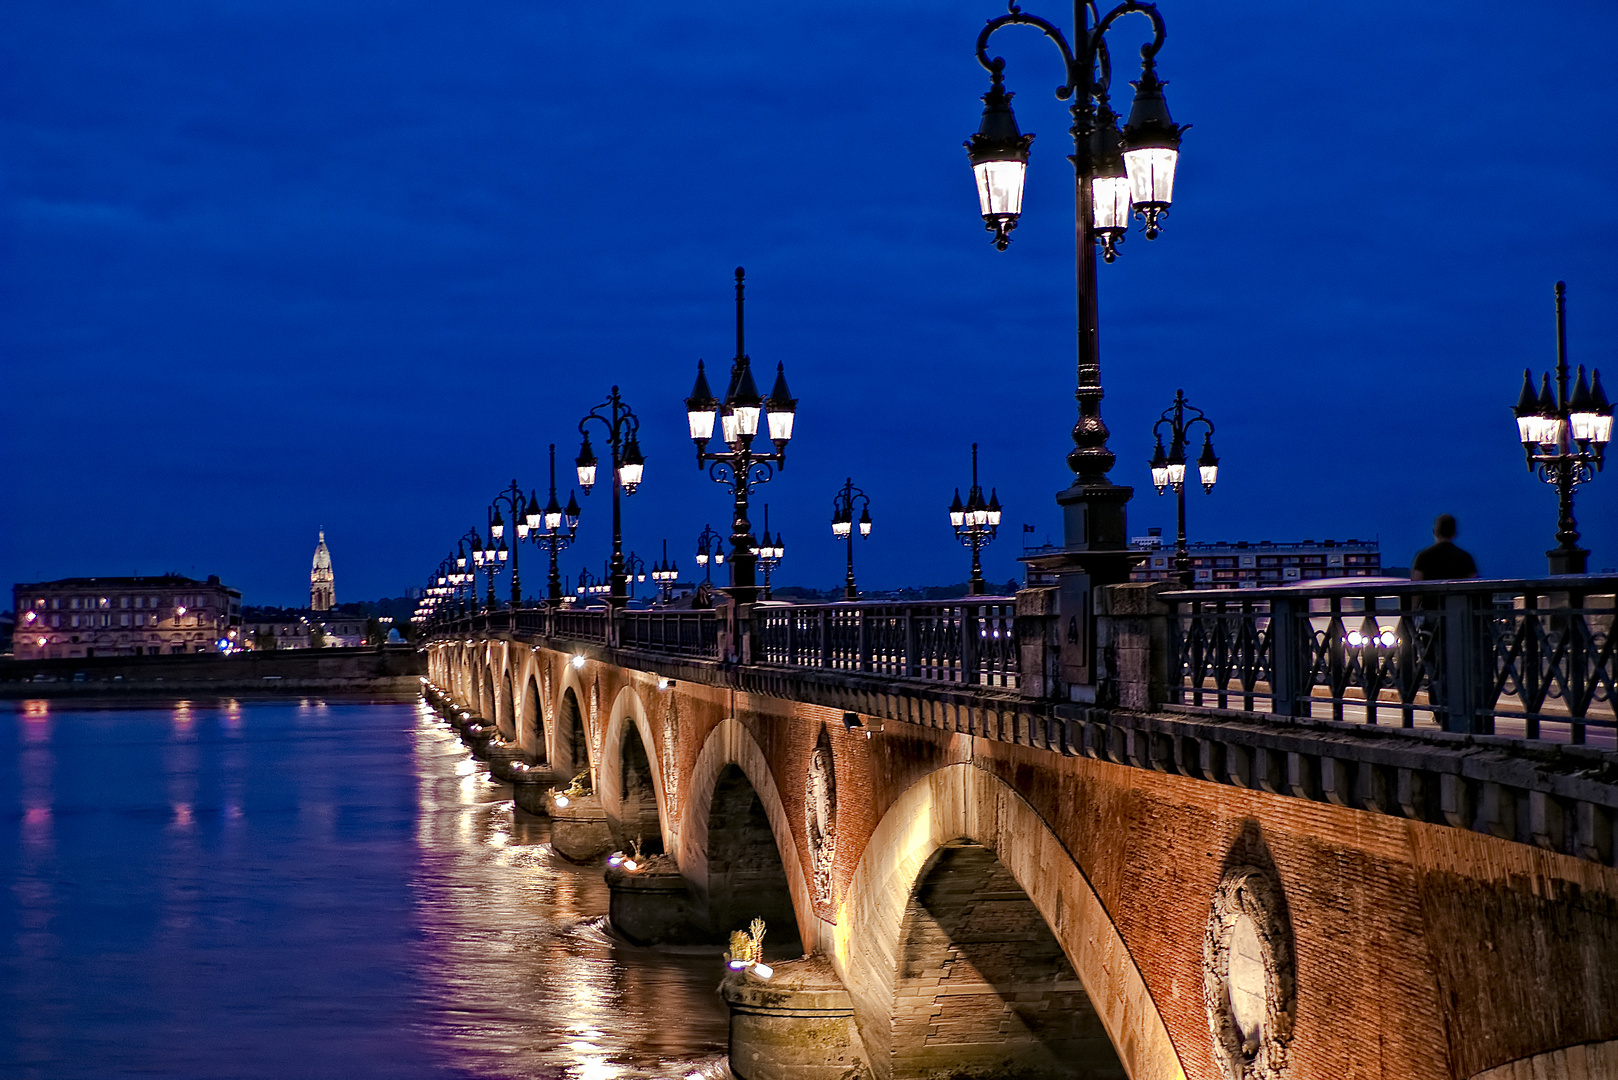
[(322, 586)]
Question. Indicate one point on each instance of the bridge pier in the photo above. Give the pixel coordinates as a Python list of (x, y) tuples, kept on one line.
[(653, 905), (579, 830), (531, 791), (798, 1025)]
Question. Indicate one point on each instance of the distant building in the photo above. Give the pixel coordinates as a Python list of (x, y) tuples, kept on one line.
[(322, 585), (284, 628), (1247, 564), (123, 616)]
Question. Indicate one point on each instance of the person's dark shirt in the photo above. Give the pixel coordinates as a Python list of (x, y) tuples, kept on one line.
[(1442, 561)]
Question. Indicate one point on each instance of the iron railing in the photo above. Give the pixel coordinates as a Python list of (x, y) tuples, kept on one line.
[(684, 632), (969, 641), (1533, 659)]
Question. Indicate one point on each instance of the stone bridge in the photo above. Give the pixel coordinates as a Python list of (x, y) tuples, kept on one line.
[(1256, 837)]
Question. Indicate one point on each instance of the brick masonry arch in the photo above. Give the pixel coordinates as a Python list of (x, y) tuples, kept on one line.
[(531, 735), (563, 750), (506, 721), (628, 711), (729, 743), (963, 802)]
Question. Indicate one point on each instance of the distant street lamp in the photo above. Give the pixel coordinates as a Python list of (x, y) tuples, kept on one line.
[(769, 552), (976, 521), (492, 556), (741, 417), (512, 499), (553, 528), (1168, 470), (634, 571), (710, 551), (627, 464), (471, 546), (842, 527), (1115, 172), (1564, 437), (665, 574)]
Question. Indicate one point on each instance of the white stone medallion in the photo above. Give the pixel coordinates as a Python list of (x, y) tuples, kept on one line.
[(1248, 980), (820, 819)]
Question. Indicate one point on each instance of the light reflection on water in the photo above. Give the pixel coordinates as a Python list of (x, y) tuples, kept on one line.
[(308, 888)]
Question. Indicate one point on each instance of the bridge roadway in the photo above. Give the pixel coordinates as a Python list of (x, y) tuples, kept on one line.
[(988, 872)]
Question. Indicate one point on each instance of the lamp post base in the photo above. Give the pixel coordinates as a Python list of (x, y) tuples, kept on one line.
[(1093, 517), (1569, 560)]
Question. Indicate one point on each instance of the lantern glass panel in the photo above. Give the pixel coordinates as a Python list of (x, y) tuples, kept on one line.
[(1151, 175), (1000, 187), (1176, 472), (1111, 197), (747, 419), (587, 476), (1210, 473), (701, 422), (629, 473), (781, 426)]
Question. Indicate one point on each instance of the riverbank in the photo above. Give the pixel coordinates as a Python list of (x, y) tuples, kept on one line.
[(389, 670)]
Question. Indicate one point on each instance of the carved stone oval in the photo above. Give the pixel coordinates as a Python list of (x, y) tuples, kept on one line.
[(1248, 976)]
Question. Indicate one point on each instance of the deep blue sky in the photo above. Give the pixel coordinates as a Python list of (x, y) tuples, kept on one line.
[(268, 267)]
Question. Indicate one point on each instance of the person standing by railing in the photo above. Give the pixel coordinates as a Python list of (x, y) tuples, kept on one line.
[(1443, 561)]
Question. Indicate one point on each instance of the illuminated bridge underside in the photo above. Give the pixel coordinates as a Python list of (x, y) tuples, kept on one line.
[(993, 878)]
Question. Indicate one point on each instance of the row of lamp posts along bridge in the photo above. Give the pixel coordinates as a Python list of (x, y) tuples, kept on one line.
[(1120, 174)]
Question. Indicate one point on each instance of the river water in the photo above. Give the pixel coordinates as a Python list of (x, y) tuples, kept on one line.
[(312, 888)]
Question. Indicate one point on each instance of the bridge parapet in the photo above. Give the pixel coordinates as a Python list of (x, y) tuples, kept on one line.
[(1527, 658), (1501, 692)]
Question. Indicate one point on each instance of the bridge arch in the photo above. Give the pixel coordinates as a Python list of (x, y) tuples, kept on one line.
[(505, 720), (631, 777), (570, 738), (731, 786), (471, 673), (531, 731), (963, 803)]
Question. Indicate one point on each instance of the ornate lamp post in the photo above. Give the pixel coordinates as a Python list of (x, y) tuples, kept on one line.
[(769, 552), (622, 428), (553, 528), (1564, 437), (491, 556), (1113, 171), (710, 551), (976, 521), (842, 527), (665, 574), (634, 571), (471, 546), (512, 499), (741, 465), (1168, 470)]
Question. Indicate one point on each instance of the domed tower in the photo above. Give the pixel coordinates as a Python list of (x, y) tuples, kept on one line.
[(322, 586)]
